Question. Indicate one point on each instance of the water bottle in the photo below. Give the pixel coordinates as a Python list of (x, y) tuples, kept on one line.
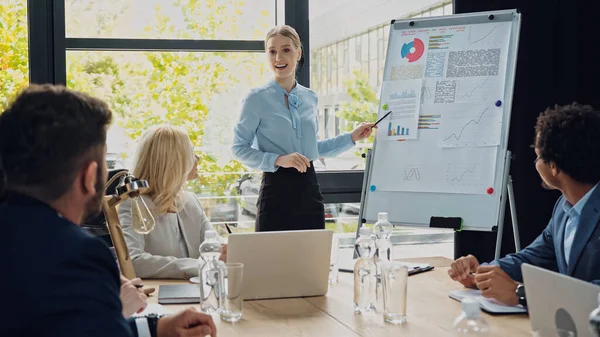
[(470, 322), (383, 232), (364, 273), (208, 272), (595, 320)]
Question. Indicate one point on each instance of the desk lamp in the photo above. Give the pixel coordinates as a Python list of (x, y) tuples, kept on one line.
[(142, 220)]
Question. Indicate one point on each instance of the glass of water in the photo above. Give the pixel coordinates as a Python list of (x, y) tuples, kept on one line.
[(231, 300), (394, 277), (333, 261)]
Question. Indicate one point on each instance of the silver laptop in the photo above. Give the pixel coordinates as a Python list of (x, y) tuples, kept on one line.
[(282, 264), (559, 301)]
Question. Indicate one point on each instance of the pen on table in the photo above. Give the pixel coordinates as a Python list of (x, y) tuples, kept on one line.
[(228, 229), (380, 119)]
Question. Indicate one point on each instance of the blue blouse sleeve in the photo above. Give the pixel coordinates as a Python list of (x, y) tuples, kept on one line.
[(244, 134)]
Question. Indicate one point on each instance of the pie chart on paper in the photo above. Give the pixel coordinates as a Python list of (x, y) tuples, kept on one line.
[(413, 50)]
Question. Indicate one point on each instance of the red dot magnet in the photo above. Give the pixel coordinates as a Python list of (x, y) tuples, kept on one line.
[(490, 190)]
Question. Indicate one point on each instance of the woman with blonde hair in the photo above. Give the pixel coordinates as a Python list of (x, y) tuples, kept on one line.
[(165, 158), (281, 117)]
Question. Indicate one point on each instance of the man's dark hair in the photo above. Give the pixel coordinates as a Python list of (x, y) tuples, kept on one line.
[(569, 136), (47, 135)]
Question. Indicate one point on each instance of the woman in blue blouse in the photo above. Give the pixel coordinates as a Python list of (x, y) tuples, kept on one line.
[(280, 119)]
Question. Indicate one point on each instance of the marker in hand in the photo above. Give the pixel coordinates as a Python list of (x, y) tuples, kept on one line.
[(380, 119)]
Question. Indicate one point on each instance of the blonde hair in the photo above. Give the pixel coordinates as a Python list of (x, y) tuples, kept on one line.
[(286, 31), (164, 157)]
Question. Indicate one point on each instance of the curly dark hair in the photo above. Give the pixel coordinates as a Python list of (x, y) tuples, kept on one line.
[(46, 136), (569, 136)]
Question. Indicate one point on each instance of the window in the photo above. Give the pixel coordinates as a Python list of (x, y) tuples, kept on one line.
[(159, 19), (14, 53), (364, 44), (346, 67), (448, 9), (386, 31), (373, 44), (362, 70), (326, 124), (333, 56), (337, 121), (439, 11), (331, 123), (340, 65), (321, 133), (352, 53), (322, 128), (373, 73), (198, 90), (323, 56)]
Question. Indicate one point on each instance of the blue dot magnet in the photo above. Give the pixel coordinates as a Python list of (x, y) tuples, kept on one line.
[(498, 103), (373, 188)]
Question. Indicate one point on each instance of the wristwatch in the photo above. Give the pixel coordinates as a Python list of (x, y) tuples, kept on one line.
[(152, 324), (521, 295)]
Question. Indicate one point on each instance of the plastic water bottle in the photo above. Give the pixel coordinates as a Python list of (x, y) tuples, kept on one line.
[(595, 320), (383, 233), (364, 273), (470, 322), (208, 272)]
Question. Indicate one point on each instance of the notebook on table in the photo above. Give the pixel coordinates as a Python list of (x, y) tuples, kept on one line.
[(153, 308), (178, 294), (488, 305)]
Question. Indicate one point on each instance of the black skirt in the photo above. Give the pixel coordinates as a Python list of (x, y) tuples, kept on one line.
[(290, 200)]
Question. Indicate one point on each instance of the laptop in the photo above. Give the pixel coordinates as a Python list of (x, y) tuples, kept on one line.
[(559, 301), (282, 264)]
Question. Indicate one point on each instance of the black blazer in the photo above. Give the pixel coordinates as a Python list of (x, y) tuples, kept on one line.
[(56, 280)]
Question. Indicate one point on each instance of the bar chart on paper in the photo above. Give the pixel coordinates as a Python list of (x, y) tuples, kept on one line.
[(403, 99), (398, 130)]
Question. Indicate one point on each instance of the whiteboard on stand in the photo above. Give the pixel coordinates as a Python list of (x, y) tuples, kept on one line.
[(442, 152)]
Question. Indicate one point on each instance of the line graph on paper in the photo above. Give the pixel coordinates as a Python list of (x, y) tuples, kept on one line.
[(463, 174), (467, 177), (477, 90), (488, 35), (469, 125)]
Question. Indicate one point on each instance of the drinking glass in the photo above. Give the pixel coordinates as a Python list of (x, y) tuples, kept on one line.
[(333, 261), (394, 277), (231, 299)]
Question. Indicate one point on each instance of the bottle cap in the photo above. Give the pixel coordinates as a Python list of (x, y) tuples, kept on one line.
[(470, 307), (209, 234), (365, 231), (382, 216)]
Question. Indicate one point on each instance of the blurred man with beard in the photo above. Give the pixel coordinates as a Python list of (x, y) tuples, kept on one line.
[(57, 280), (567, 146)]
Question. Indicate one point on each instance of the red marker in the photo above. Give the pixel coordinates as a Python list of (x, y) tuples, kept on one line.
[(490, 190)]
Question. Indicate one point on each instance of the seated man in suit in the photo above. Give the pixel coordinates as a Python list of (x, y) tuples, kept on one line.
[(567, 145), (57, 279)]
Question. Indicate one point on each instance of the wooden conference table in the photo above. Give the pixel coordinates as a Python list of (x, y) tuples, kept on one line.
[(430, 312)]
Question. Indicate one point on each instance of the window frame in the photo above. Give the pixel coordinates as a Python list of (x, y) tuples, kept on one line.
[(48, 45)]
